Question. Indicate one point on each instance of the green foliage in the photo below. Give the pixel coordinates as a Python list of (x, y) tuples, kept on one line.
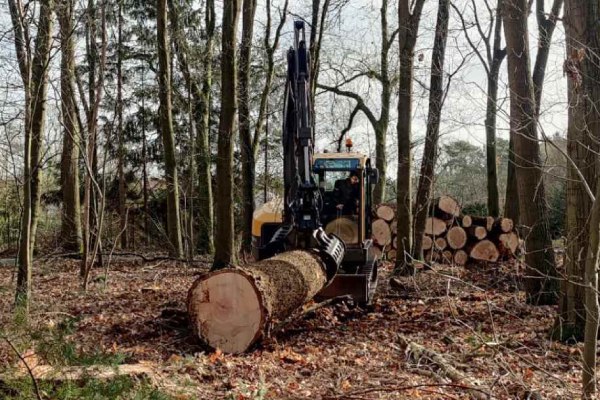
[(123, 387), (476, 208), (461, 171), (56, 347)]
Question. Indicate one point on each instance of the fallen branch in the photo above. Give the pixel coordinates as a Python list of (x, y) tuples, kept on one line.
[(418, 351), (77, 373), (399, 388)]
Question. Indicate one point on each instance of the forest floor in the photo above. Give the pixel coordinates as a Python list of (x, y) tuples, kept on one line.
[(481, 339)]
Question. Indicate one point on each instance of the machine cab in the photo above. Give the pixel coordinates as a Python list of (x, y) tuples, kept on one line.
[(345, 181)]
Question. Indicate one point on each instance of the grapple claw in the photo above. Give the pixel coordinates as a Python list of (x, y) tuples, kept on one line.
[(331, 249)]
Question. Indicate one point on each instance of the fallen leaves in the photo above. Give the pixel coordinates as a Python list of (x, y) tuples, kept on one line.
[(482, 324)]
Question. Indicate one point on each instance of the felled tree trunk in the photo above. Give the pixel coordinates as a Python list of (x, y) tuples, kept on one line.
[(233, 308)]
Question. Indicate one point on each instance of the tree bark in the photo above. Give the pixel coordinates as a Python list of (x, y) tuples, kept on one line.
[(120, 138), (407, 37), (205, 241), (234, 308), (582, 147), (546, 27), (224, 249), (592, 264), (430, 153), (167, 134), (71, 213), (541, 285), (591, 83), (246, 140), (34, 133), (201, 94)]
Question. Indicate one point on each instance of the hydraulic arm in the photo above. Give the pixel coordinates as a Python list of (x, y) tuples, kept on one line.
[(302, 225)]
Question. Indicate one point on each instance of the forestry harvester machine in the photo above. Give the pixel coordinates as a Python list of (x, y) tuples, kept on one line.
[(310, 218)]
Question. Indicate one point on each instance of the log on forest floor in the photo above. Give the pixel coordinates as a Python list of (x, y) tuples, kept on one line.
[(234, 308)]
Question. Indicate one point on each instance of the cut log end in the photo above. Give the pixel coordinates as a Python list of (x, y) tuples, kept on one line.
[(509, 243), (478, 232), (225, 311), (435, 226), (466, 221), (385, 212), (485, 251), (344, 228), (427, 243), (504, 225), (381, 232), (448, 206), (456, 237), (461, 257), (440, 243)]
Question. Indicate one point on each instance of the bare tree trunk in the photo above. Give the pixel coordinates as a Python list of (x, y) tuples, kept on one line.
[(541, 284), (34, 132), (145, 166), (205, 192), (592, 264), (246, 140), (270, 49), (224, 249), (546, 27), (120, 139), (493, 197), (582, 149), (166, 128), (430, 154), (407, 37), (71, 213), (92, 191), (591, 82)]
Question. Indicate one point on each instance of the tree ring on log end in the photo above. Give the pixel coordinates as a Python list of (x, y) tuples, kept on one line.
[(226, 311)]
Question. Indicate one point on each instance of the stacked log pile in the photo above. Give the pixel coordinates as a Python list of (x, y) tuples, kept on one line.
[(450, 237)]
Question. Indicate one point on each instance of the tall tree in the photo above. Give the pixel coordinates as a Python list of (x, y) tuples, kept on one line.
[(541, 284), (120, 134), (379, 123), (92, 192), (34, 74), (491, 61), (69, 165), (430, 153), (224, 249), (546, 25), (407, 38), (200, 92), (591, 85), (248, 155), (592, 312), (582, 148), (166, 131)]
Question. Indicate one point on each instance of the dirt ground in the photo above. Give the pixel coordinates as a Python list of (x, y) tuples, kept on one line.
[(487, 342)]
